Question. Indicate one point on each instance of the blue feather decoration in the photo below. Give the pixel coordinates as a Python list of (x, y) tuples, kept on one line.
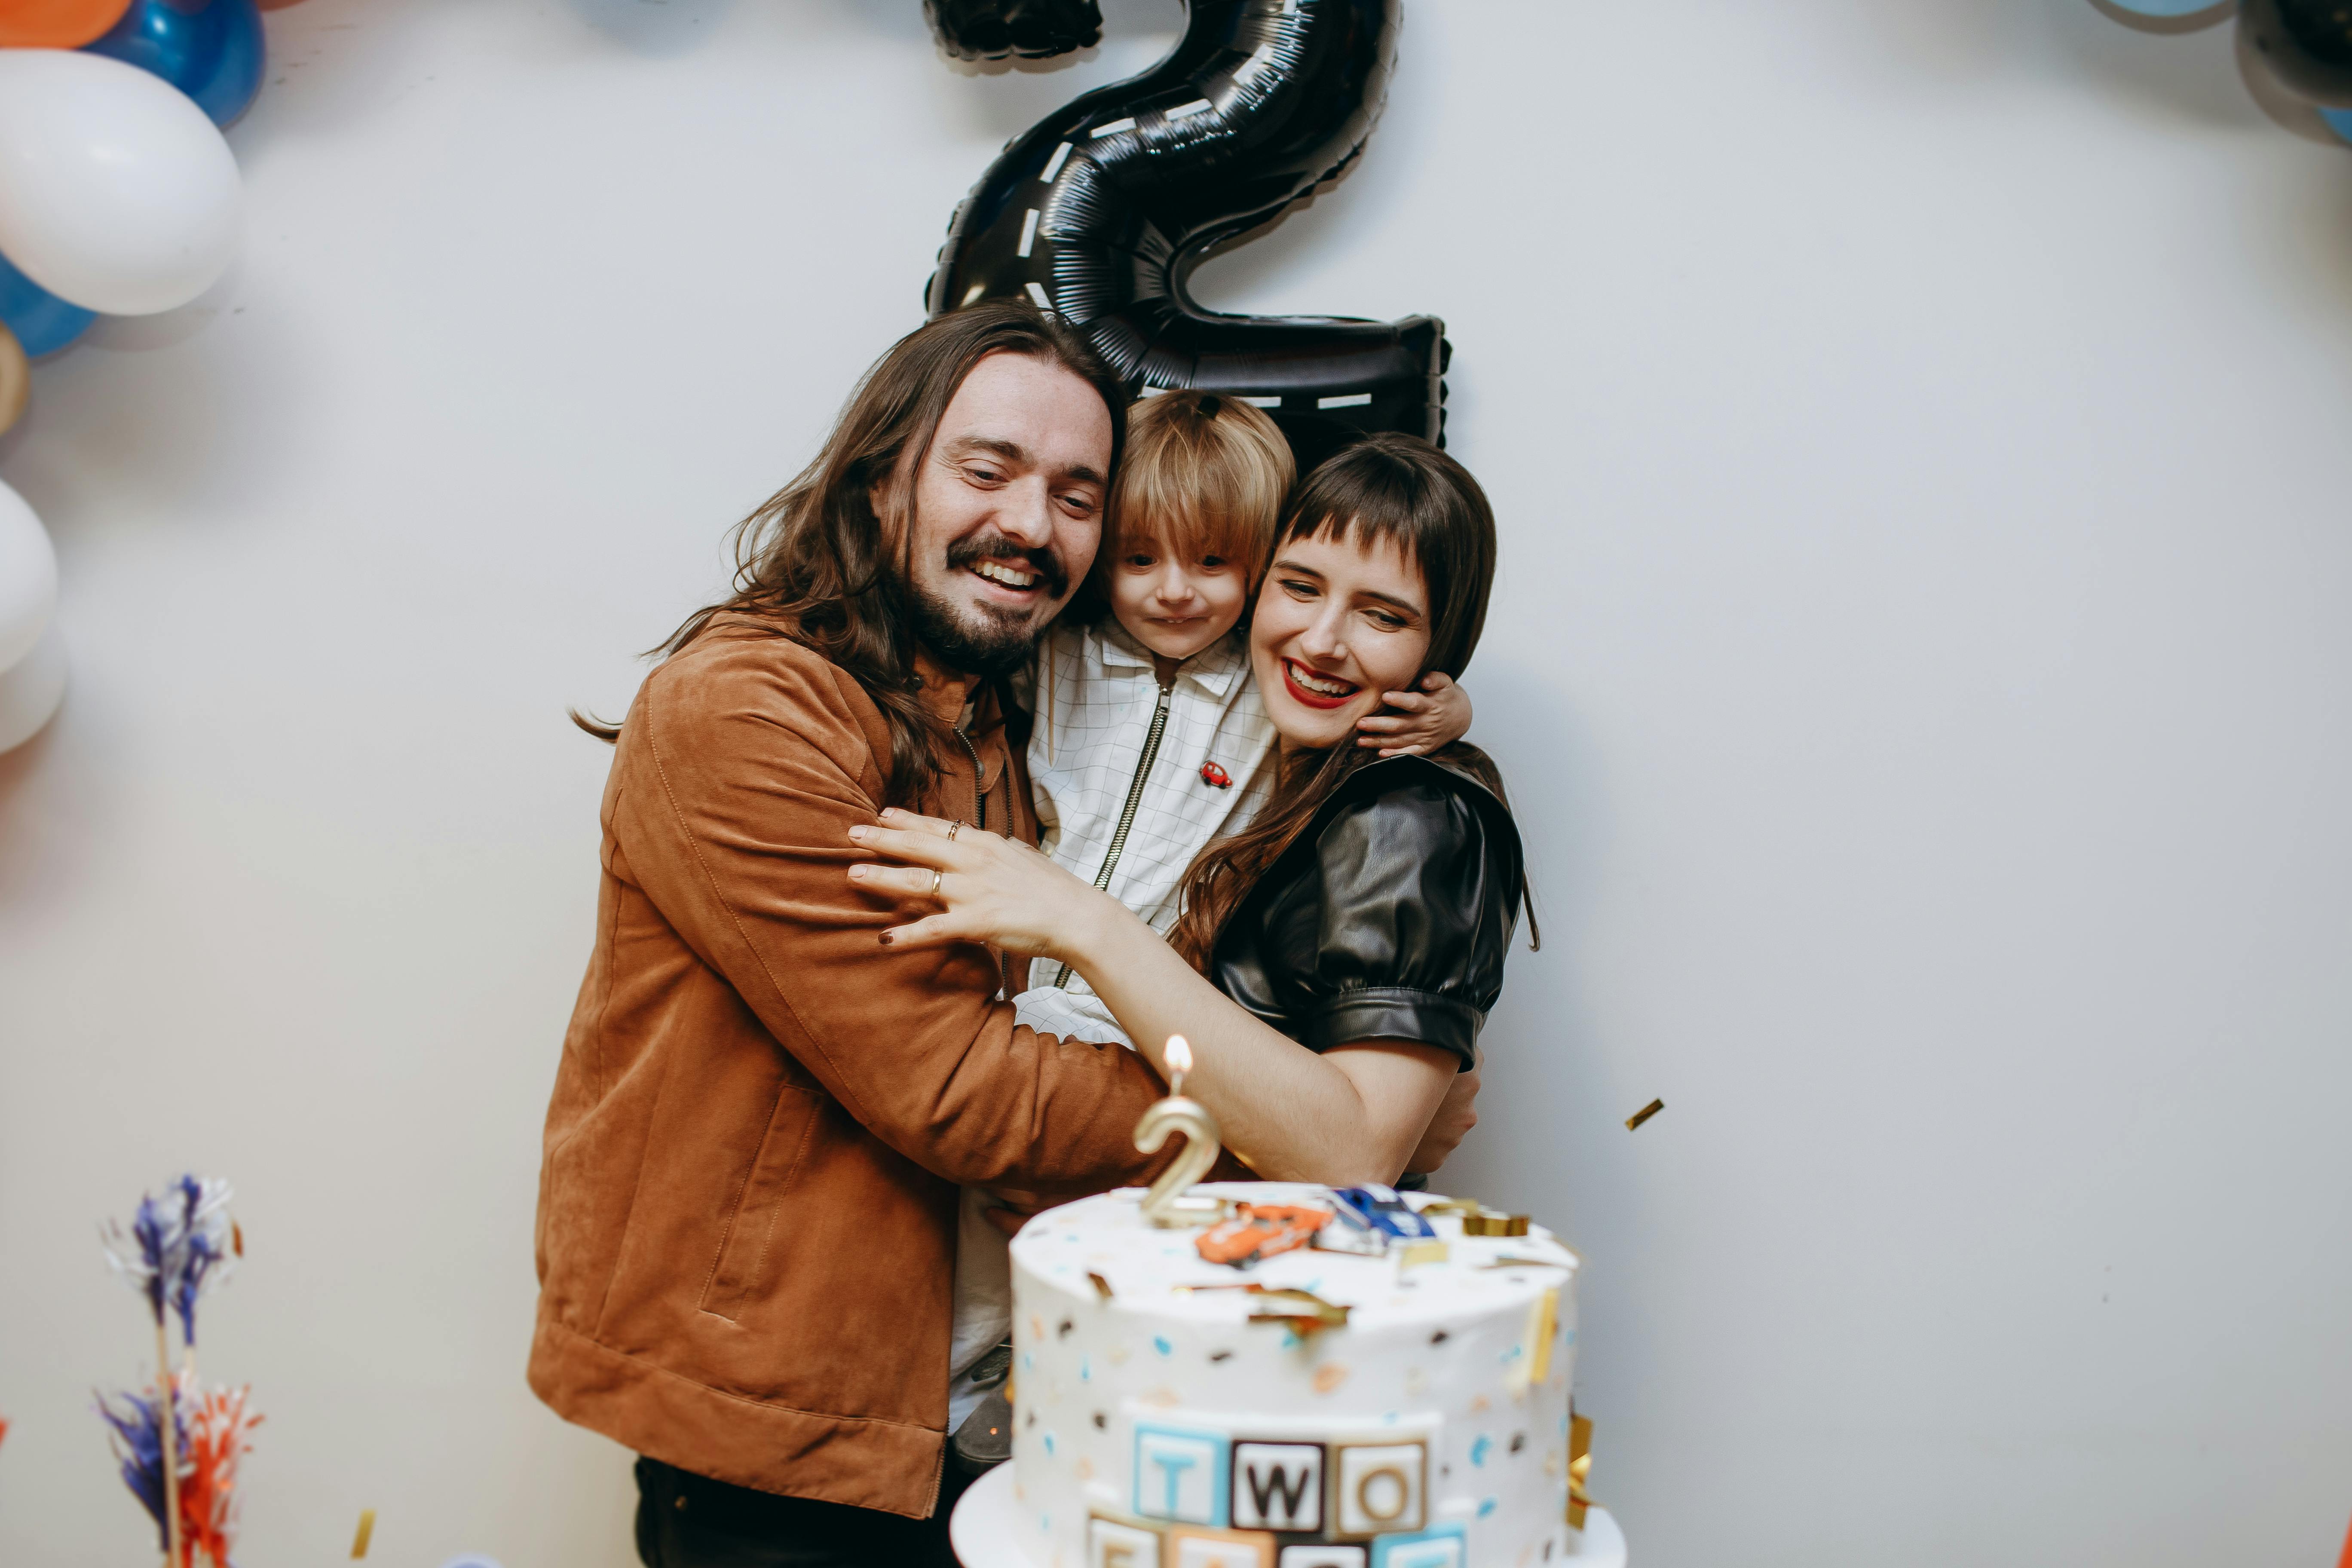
[(137, 1439), (179, 1245)]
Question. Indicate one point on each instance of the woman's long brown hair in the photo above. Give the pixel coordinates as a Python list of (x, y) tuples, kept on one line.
[(1387, 490), (819, 566)]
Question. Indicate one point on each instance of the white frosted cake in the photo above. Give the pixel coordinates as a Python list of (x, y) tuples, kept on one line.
[(1158, 1426)]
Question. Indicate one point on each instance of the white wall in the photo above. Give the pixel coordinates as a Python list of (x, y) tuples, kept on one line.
[(1922, 665)]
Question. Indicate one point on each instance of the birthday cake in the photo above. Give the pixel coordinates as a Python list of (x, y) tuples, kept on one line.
[(1346, 1388)]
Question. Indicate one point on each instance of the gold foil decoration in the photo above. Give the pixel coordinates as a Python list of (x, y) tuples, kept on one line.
[(1645, 1114), (1506, 1261), (1303, 1312), (1413, 1253), (16, 389), (1580, 1467), (1101, 1285), (1477, 1219), (1492, 1224), (1543, 1327), (366, 1534)]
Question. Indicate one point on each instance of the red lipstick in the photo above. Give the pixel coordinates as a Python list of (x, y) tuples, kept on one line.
[(1315, 699)]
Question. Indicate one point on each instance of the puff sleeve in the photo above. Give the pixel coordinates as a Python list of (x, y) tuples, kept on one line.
[(1388, 922)]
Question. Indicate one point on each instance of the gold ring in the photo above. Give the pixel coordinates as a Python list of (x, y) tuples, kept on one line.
[(937, 878), (953, 828)]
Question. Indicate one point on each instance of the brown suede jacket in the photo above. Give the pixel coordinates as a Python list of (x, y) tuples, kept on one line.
[(747, 1209)]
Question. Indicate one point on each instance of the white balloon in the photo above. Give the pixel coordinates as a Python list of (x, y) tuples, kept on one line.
[(116, 192), (30, 690), (28, 578)]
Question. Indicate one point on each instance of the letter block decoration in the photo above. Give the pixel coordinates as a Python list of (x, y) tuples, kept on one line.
[(1443, 1546), (1381, 1488), (1180, 1475), (1113, 1545), (1278, 1486), (1322, 1557), (1190, 1548)]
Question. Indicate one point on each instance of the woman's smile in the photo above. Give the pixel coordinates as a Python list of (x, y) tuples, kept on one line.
[(1316, 690)]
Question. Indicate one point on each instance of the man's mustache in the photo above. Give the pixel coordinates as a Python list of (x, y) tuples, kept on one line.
[(996, 547)]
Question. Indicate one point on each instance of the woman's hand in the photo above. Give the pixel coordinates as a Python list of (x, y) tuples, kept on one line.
[(992, 889), (1413, 724)]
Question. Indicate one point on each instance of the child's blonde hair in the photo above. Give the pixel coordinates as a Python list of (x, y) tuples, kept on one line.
[(1203, 474)]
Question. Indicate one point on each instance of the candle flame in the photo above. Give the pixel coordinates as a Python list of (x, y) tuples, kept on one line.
[(1178, 1054)]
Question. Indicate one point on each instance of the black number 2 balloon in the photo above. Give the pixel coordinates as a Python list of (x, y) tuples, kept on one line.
[(1102, 210)]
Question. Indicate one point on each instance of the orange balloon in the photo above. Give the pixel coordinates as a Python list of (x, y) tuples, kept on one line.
[(56, 24)]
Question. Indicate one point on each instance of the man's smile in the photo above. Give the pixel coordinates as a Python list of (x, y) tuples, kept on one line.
[(1008, 576)]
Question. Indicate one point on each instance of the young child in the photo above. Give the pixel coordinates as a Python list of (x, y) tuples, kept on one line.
[(1150, 739)]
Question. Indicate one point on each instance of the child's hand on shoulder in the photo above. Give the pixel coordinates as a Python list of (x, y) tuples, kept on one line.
[(1416, 723)]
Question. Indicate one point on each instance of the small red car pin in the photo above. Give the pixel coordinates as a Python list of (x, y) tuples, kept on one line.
[(1215, 777)]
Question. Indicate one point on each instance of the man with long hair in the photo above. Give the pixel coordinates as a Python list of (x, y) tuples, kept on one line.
[(748, 1209)]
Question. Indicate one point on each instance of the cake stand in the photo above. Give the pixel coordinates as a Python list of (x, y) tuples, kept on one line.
[(986, 1529)]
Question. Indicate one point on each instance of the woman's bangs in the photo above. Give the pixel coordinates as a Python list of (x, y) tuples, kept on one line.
[(1369, 517)]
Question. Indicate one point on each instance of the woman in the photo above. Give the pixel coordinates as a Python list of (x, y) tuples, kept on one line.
[(1335, 960)]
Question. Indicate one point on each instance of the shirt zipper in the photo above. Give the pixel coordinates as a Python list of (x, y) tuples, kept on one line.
[(1127, 812)]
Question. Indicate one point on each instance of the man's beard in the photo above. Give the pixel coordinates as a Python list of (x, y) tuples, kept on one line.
[(979, 639)]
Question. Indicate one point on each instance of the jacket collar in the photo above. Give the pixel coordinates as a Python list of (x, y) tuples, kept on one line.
[(944, 692), (964, 703)]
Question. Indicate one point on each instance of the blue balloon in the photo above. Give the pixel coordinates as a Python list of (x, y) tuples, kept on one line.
[(43, 322), (210, 49)]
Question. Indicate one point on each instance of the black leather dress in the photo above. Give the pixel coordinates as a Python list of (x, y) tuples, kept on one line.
[(1387, 918)]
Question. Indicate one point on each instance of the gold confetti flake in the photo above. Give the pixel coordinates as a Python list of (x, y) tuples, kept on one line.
[(1492, 1224), (366, 1533), (1580, 1467), (1636, 1120), (1508, 1261), (1101, 1285), (1413, 1253)]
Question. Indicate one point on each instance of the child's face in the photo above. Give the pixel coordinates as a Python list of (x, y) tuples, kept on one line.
[(1174, 608)]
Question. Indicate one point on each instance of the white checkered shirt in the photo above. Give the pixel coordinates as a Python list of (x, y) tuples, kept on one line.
[(1094, 698)]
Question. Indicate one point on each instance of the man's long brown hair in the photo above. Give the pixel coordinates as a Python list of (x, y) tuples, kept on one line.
[(1387, 490), (817, 564)]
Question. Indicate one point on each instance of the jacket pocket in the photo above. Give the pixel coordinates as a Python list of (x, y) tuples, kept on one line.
[(744, 1245)]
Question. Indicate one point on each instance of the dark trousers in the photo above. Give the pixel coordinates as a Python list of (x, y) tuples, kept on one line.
[(692, 1521)]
